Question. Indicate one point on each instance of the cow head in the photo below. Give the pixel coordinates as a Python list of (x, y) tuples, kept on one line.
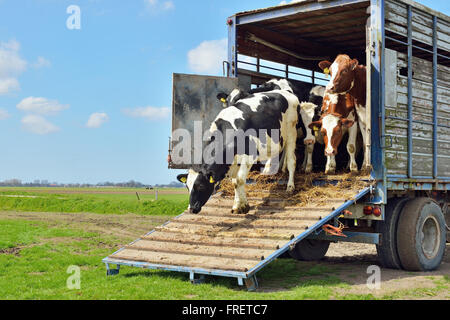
[(332, 129), (201, 181), (342, 72), (200, 187), (231, 99)]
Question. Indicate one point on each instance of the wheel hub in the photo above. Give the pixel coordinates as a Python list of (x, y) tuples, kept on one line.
[(430, 235)]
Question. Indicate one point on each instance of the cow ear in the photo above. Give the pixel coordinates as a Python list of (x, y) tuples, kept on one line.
[(354, 63), (348, 123), (222, 97), (182, 178), (316, 124), (325, 65)]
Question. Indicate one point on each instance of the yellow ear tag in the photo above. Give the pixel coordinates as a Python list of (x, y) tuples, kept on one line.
[(211, 180), (326, 71), (223, 100), (183, 180), (316, 129)]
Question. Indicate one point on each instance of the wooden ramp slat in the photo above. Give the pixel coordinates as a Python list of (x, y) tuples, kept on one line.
[(225, 203), (201, 250), (171, 259), (277, 214), (212, 231), (265, 244), (244, 222)]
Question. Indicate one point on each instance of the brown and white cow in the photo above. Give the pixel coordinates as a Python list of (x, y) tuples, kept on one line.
[(349, 77), (338, 118)]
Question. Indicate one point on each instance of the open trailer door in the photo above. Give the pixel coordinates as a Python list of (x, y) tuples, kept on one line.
[(194, 108)]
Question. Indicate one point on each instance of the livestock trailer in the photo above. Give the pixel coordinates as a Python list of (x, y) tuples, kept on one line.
[(401, 207)]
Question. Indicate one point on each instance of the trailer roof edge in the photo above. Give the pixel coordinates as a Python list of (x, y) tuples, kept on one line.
[(289, 8)]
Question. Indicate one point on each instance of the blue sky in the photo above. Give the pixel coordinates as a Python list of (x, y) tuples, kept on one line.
[(93, 104)]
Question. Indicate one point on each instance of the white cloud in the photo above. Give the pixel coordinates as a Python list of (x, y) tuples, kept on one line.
[(11, 66), (41, 63), (156, 5), (96, 120), (38, 125), (293, 1), (41, 106), (149, 113), (208, 56), (8, 85), (168, 5), (3, 114)]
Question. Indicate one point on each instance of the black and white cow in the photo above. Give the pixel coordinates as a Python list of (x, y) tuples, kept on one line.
[(232, 98), (311, 98), (259, 113)]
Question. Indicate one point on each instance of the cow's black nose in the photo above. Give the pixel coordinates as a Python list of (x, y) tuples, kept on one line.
[(194, 210)]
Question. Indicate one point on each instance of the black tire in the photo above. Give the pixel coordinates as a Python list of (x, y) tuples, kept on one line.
[(387, 249), (447, 221), (310, 250), (421, 235)]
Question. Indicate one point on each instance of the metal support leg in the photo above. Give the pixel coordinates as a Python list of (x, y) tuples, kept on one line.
[(194, 280), (112, 272), (251, 283)]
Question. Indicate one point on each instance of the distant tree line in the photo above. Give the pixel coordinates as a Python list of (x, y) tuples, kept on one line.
[(46, 183)]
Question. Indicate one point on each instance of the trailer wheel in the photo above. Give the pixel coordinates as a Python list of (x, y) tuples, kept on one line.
[(447, 221), (421, 235), (387, 250), (310, 250)]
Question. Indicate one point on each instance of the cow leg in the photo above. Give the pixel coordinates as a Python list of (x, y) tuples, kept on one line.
[(351, 147), (331, 165), (291, 159), (308, 162), (366, 163), (268, 167), (240, 199)]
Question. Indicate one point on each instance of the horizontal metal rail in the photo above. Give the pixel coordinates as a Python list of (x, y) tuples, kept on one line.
[(416, 47), (287, 72)]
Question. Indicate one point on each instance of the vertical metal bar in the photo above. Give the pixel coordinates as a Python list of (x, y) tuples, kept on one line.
[(435, 107), (376, 48), (410, 95), (313, 77), (232, 47), (258, 64)]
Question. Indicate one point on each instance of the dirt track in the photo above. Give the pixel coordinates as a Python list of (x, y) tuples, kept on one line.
[(349, 261)]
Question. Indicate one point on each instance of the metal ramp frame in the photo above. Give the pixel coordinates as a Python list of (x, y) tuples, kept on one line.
[(197, 273)]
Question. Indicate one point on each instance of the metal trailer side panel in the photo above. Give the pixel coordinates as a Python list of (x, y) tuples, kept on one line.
[(416, 120)]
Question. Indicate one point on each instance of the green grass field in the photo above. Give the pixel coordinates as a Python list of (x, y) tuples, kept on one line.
[(103, 201), (38, 270), (42, 236)]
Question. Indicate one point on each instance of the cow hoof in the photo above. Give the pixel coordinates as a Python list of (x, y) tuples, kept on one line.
[(290, 189), (243, 210), (308, 169), (330, 171)]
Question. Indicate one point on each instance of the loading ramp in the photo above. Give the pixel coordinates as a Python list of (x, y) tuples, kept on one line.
[(216, 242)]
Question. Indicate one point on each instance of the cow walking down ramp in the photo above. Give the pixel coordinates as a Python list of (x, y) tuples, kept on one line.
[(216, 242)]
